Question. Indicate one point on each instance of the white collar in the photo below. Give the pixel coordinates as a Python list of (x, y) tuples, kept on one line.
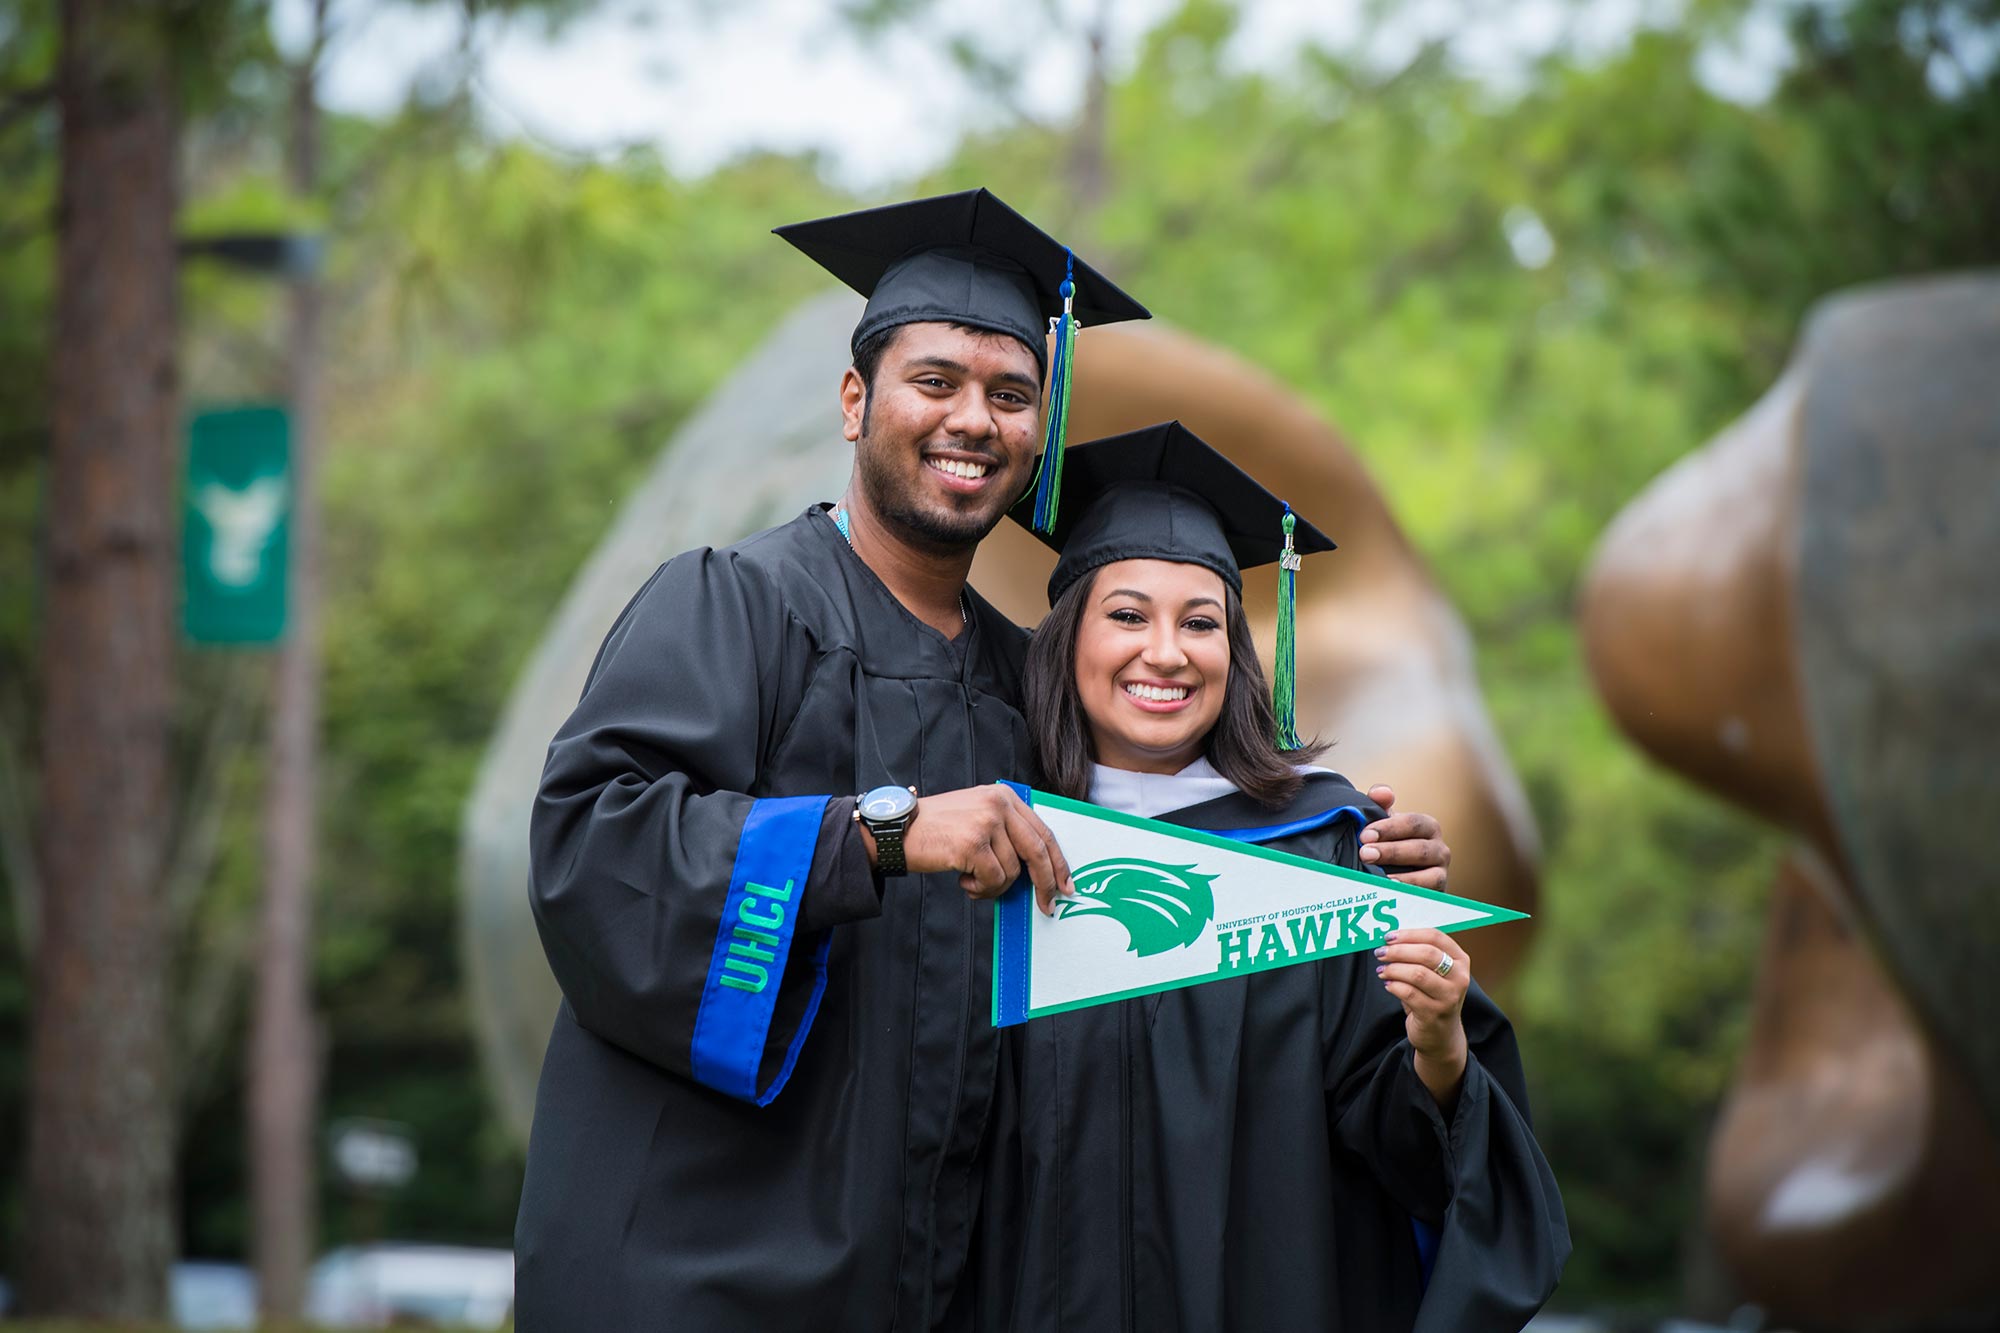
[(1150, 794)]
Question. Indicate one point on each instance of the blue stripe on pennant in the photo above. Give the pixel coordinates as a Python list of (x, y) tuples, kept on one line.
[(1010, 956), (1272, 832), (1010, 944), (747, 969)]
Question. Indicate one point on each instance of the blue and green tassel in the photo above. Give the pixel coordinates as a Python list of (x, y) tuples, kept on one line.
[(1048, 484), (1284, 690)]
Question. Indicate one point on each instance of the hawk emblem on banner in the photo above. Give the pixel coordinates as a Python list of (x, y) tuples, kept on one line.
[(1162, 907)]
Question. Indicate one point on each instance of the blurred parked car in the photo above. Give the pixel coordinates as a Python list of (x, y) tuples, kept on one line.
[(200, 1294), (374, 1286), (213, 1295)]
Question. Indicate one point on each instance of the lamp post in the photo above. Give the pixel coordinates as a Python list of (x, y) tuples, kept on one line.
[(283, 1078)]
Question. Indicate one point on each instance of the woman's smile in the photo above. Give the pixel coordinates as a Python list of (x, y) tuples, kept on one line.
[(1158, 696)]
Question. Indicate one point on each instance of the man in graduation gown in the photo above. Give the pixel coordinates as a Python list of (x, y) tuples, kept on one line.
[(769, 1084)]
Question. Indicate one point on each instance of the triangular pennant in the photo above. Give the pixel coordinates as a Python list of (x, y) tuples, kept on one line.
[(1159, 907)]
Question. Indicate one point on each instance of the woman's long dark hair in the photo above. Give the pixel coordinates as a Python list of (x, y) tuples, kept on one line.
[(1243, 744)]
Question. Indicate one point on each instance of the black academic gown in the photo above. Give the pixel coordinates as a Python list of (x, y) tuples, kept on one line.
[(764, 1096), (1250, 1154)]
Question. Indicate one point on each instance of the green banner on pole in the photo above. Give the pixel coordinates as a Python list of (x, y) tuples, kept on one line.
[(236, 525)]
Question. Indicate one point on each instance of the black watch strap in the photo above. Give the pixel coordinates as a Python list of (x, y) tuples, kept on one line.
[(888, 831), (889, 848)]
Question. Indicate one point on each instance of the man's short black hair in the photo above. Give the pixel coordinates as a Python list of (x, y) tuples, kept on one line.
[(868, 356)]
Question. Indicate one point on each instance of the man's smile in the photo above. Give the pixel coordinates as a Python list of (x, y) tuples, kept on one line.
[(960, 474)]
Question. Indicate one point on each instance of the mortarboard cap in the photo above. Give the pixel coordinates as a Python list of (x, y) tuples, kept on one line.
[(961, 258), (1164, 493)]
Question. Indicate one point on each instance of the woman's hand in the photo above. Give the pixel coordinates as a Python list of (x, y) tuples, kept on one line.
[(1433, 1004)]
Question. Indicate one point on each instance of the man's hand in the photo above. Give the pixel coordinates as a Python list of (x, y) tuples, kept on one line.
[(987, 835), (1433, 1005), (1411, 847)]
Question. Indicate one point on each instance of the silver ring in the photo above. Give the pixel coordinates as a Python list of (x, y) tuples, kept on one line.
[(1444, 966)]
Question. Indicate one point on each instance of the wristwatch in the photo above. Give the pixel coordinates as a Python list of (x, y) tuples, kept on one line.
[(887, 811)]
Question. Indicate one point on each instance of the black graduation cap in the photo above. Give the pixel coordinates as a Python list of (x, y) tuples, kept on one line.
[(961, 258), (1164, 493)]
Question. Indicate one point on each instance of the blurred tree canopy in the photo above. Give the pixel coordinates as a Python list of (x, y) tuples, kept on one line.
[(1521, 303)]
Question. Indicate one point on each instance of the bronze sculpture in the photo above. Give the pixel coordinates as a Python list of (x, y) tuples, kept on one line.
[(1800, 616)]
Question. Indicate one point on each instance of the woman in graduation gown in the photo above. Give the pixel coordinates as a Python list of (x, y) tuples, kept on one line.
[(1336, 1145)]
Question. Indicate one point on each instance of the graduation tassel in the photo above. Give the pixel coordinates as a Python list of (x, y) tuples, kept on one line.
[(1048, 485), (1283, 689)]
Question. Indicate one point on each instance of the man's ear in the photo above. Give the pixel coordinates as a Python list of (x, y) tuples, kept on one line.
[(853, 403)]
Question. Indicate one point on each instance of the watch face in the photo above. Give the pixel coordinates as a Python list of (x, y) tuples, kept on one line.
[(887, 803)]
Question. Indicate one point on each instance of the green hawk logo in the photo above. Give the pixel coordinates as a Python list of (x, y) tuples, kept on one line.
[(1162, 907)]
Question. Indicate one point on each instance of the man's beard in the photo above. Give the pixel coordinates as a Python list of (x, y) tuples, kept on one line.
[(937, 528)]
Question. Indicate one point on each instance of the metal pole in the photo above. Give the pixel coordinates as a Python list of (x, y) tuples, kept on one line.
[(284, 1054)]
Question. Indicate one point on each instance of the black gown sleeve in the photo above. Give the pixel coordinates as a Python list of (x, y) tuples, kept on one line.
[(1478, 1179), (686, 920), (1377, 1107), (1505, 1236)]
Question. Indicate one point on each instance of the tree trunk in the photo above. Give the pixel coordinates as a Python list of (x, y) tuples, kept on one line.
[(99, 1214), (1088, 177), (284, 1055)]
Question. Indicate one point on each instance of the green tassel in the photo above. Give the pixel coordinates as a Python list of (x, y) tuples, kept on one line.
[(1284, 700), (1048, 482)]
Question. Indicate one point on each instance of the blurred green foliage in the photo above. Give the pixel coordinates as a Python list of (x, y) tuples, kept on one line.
[(1520, 306)]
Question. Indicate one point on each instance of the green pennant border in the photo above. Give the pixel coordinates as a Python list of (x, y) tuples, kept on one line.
[(1494, 916)]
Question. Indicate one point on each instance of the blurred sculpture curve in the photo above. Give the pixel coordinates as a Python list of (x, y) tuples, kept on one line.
[(1800, 616)]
